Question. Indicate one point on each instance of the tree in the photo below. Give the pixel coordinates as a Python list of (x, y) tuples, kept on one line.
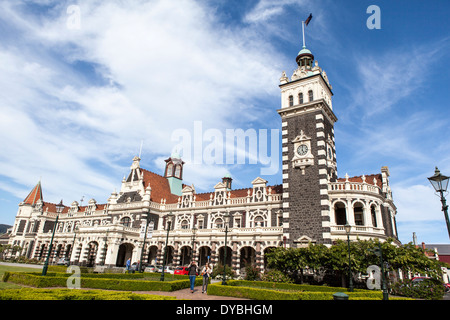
[(362, 254)]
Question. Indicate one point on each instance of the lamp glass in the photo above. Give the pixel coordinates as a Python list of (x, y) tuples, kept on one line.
[(439, 181), (59, 206), (347, 228)]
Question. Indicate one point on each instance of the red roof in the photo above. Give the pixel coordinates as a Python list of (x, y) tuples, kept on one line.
[(369, 179), (160, 190), (35, 195), (160, 187)]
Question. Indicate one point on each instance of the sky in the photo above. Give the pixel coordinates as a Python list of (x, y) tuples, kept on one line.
[(87, 85)]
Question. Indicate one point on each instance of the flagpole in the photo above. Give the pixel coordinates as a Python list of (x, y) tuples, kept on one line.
[(303, 31)]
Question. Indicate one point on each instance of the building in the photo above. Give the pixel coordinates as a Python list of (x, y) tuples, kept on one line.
[(311, 206)]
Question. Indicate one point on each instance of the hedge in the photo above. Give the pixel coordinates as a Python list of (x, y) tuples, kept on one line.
[(96, 281), (257, 290), (67, 294)]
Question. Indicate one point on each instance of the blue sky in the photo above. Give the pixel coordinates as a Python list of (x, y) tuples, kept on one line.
[(75, 103)]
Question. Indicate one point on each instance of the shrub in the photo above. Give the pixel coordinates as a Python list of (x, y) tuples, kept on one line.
[(218, 272), (252, 273), (427, 289), (67, 294), (104, 281), (283, 291), (276, 276)]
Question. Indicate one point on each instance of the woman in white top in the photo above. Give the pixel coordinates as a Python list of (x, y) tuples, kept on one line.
[(206, 273)]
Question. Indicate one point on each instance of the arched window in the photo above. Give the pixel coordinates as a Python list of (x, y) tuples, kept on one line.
[(184, 224), (178, 171), (311, 95), (219, 223), (340, 213), (291, 101), (259, 221), (169, 172), (126, 222), (374, 215), (358, 212), (300, 98)]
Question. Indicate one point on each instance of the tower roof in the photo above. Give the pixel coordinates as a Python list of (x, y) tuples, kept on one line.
[(34, 195), (306, 55)]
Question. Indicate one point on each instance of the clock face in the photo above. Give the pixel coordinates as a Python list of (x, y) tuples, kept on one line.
[(302, 150)]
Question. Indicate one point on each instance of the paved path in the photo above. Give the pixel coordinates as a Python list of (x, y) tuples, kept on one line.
[(185, 294), (23, 265)]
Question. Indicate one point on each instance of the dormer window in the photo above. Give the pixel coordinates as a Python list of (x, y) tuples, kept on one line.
[(169, 170), (178, 171)]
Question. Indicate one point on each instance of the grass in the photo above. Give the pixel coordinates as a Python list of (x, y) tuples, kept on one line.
[(7, 285)]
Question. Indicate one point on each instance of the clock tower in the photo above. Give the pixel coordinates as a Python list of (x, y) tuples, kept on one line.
[(308, 151)]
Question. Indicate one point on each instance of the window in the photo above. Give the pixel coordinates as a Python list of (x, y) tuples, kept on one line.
[(374, 216), (184, 224), (219, 223), (358, 211), (311, 95), (126, 222), (260, 222), (291, 101), (300, 98), (178, 171), (340, 213), (169, 172)]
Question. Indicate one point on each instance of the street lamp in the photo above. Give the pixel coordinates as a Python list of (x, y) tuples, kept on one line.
[(379, 252), (194, 231), (440, 184), (348, 228), (145, 238), (227, 220), (169, 217), (59, 208), (75, 229)]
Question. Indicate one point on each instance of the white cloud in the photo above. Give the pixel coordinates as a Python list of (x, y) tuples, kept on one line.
[(153, 66)]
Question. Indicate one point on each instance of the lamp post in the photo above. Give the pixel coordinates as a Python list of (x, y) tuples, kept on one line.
[(59, 208), (75, 229), (169, 222), (143, 243), (226, 220), (348, 228), (194, 231), (440, 184), (379, 253)]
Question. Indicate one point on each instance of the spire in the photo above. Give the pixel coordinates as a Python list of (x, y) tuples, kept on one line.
[(35, 195)]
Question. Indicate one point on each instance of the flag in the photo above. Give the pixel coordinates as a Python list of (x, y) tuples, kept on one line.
[(308, 20)]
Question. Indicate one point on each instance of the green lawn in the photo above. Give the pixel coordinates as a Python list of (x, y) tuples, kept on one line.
[(7, 285)]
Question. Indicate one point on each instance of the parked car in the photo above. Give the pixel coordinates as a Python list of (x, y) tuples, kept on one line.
[(433, 280), (169, 269), (150, 268), (181, 270), (62, 262)]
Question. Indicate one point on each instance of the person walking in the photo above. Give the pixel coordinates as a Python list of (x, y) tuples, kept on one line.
[(192, 272), (206, 273), (128, 265)]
